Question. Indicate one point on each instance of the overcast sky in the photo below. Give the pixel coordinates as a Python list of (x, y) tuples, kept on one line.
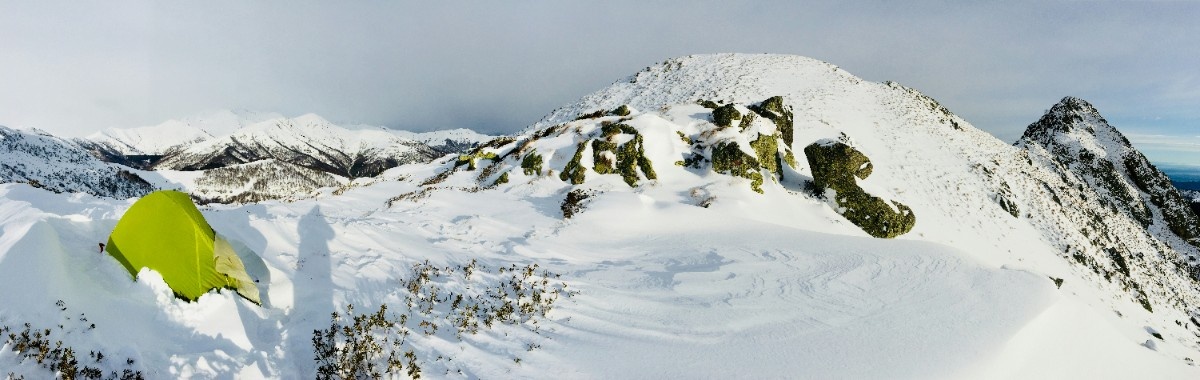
[(75, 67)]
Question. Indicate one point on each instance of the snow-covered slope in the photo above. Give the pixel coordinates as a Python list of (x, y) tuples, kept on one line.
[(309, 141), (696, 246), (161, 138), (448, 141), (247, 183), (57, 165)]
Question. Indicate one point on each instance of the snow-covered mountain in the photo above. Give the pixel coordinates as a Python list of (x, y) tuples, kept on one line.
[(448, 141), (305, 147), (717, 215), (308, 141), (187, 150), (52, 163), (162, 138), (248, 183)]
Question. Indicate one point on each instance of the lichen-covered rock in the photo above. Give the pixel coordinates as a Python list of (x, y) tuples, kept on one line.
[(1005, 199), (531, 164), (623, 110), (727, 158), (624, 159), (774, 109), (789, 158), (602, 156), (725, 115), (767, 149), (754, 146), (835, 166), (574, 172), (591, 115), (469, 159), (574, 202)]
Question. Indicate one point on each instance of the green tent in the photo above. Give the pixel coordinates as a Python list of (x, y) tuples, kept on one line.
[(165, 232)]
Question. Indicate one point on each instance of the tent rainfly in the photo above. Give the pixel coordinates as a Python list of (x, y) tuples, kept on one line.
[(165, 232)]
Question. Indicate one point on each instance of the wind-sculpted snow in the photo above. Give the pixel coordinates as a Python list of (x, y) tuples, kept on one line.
[(705, 295), (57, 165)]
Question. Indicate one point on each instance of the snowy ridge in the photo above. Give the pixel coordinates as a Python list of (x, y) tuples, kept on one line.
[(688, 264), (57, 165), (309, 141), (447, 141), (161, 138)]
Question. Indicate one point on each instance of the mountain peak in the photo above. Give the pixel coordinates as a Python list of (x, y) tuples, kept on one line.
[(1073, 102), (310, 119), (1071, 105), (1074, 135), (724, 78), (1074, 124)]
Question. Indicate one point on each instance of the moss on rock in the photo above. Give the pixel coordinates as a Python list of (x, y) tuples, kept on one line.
[(629, 157), (747, 119), (835, 166), (725, 115), (773, 108), (727, 158), (574, 172), (684, 138), (532, 164), (623, 110), (789, 158), (767, 149), (591, 115), (469, 159), (602, 163), (574, 202)]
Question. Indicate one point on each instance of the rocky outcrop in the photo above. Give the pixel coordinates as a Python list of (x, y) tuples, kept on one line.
[(835, 166)]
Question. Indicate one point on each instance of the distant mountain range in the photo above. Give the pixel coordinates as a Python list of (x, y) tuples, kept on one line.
[(187, 153)]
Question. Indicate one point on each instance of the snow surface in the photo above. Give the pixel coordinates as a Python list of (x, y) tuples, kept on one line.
[(772, 285)]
